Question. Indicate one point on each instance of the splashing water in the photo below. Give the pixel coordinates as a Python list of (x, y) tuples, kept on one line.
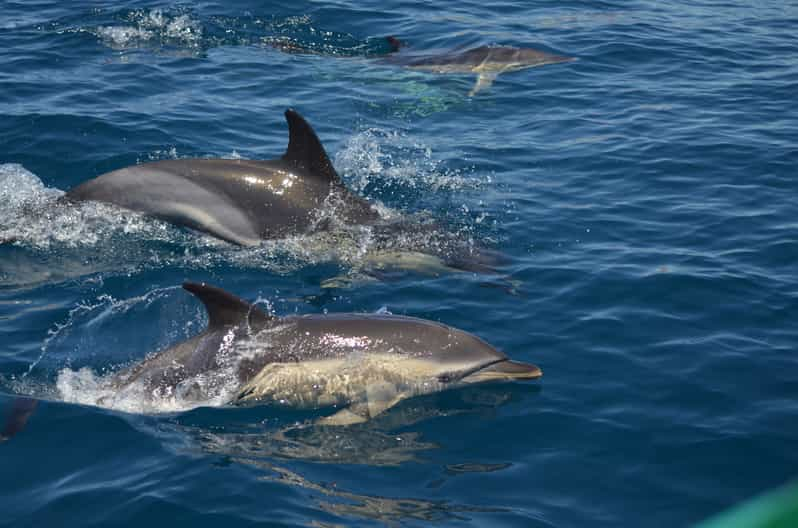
[(107, 386), (120, 388), (34, 215), (379, 158), (153, 27), (164, 30)]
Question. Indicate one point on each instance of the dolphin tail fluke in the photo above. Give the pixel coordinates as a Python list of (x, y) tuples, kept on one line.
[(225, 309), (21, 410), (305, 151), (484, 81)]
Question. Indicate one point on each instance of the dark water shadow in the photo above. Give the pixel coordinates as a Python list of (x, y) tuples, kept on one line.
[(278, 445), (279, 442)]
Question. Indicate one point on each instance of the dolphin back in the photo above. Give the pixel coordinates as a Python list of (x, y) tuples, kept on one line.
[(239, 201)]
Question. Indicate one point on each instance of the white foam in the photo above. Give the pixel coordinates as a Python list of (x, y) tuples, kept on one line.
[(19, 186), (85, 387), (123, 36), (153, 27), (32, 215), (184, 28)]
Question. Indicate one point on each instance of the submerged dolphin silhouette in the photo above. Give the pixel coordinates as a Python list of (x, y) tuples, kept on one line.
[(240, 201), (486, 61), (361, 363)]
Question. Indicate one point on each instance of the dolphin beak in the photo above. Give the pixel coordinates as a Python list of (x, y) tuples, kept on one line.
[(558, 59), (506, 370)]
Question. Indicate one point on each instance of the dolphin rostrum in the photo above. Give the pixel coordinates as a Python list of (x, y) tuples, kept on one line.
[(486, 61), (240, 201), (361, 364)]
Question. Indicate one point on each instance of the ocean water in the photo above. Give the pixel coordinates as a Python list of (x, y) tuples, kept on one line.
[(643, 197)]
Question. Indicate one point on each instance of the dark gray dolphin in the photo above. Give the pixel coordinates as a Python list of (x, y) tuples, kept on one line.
[(240, 201), (248, 201), (486, 61), (362, 364)]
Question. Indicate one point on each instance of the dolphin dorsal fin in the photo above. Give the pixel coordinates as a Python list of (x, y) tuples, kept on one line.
[(305, 151), (225, 309)]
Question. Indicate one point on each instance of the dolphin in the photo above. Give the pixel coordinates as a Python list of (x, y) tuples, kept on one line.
[(240, 201), (360, 364), (486, 61), (247, 201)]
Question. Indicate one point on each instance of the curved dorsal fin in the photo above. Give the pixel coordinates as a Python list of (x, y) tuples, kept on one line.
[(305, 151), (225, 309)]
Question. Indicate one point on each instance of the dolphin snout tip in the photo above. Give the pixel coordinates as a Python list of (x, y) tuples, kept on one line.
[(509, 370), (532, 372), (565, 58), (519, 369)]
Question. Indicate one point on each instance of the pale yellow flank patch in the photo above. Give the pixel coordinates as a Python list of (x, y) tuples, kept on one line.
[(364, 384)]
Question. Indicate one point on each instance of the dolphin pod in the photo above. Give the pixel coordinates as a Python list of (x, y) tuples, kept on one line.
[(360, 364), (240, 201)]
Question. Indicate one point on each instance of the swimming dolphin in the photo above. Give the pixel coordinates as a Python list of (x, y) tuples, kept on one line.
[(240, 201), (248, 201), (361, 364), (486, 61)]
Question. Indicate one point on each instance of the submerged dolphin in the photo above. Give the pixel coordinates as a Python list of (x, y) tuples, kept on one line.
[(240, 201), (361, 364), (486, 61)]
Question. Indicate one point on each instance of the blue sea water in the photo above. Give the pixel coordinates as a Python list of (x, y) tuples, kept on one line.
[(644, 196)]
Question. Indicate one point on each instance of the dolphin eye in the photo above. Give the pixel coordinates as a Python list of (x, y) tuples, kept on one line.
[(445, 378)]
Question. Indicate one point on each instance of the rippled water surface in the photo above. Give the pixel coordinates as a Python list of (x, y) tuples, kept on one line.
[(643, 198)]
